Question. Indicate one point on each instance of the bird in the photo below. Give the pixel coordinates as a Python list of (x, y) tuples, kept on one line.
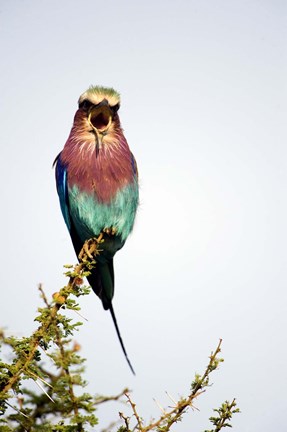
[(97, 184)]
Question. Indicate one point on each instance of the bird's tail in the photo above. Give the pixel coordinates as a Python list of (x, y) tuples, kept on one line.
[(120, 338)]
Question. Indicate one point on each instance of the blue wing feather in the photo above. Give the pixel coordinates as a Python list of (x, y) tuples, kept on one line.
[(62, 189), (134, 165)]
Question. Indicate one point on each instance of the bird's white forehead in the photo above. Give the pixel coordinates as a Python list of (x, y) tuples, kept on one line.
[(97, 94)]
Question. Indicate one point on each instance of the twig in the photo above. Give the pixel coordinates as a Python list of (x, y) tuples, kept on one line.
[(133, 406), (43, 295), (126, 420), (102, 399)]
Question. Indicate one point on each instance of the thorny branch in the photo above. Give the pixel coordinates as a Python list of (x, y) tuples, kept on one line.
[(60, 299), (55, 328), (171, 416)]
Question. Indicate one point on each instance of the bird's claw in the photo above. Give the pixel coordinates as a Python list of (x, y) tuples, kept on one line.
[(90, 249), (110, 231)]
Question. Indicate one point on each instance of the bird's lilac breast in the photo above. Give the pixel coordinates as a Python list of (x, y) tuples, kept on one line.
[(103, 174), (102, 191)]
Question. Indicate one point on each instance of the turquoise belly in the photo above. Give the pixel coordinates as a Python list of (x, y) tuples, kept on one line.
[(90, 216)]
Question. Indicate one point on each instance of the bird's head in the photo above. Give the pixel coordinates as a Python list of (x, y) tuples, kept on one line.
[(98, 111)]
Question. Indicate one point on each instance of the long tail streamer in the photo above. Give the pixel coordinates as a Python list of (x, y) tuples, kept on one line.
[(120, 338)]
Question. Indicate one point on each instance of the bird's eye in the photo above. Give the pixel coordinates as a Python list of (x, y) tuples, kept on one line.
[(115, 108), (85, 104)]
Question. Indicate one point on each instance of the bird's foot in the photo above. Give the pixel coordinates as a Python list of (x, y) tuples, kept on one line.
[(110, 231), (90, 248)]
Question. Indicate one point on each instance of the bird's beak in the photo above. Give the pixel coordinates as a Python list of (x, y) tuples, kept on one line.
[(100, 118)]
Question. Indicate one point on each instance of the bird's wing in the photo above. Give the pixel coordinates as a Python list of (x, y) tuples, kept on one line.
[(62, 189)]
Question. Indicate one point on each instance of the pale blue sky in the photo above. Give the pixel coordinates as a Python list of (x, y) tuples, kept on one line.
[(203, 87)]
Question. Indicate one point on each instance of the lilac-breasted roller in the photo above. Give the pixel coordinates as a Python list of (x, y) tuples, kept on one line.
[(97, 184)]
